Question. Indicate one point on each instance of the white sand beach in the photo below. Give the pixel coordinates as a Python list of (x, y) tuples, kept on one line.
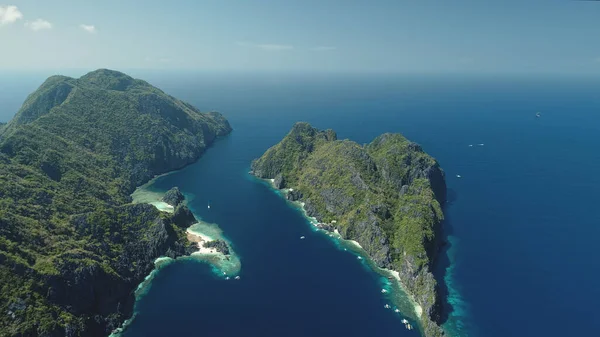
[(201, 239), (355, 243), (418, 308)]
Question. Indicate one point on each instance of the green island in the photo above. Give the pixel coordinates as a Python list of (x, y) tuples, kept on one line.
[(385, 195), (73, 246)]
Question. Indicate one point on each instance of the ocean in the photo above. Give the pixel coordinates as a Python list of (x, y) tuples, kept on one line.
[(520, 218)]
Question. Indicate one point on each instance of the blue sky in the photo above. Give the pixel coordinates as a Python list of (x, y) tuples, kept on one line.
[(284, 35)]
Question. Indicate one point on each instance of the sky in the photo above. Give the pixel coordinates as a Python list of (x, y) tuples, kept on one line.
[(548, 36)]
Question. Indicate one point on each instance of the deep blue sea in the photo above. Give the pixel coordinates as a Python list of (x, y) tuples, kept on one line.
[(521, 219)]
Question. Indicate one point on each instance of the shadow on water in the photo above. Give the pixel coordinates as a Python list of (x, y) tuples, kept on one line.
[(451, 197), (442, 263)]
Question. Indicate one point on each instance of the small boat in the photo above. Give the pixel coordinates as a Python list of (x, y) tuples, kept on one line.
[(360, 257), (458, 176), (237, 277), (387, 306), (383, 291), (538, 114), (409, 327), (209, 205), (470, 145), (480, 144), (227, 278), (404, 321), (302, 238), (397, 310)]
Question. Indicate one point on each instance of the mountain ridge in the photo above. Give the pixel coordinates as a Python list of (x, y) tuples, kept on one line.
[(72, 246)]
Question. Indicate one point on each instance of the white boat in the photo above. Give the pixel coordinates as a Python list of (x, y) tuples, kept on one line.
[(470, 145), (383, 291), (409, 327), (360, 257), (302, 238), (404, 321), (481, 144), (237, 277), (227, 278), (458, 176), (397, 310), (387, 306)]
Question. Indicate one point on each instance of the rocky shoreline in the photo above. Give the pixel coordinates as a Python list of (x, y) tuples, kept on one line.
[(331, 229)]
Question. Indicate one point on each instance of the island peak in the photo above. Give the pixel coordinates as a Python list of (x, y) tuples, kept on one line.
[(73, 248), (386, 195)]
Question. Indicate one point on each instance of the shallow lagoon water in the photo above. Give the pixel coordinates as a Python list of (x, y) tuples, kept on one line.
[(223, 266)]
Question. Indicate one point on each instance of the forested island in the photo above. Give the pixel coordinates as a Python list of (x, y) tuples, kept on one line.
[(73, 247), (386, 195)]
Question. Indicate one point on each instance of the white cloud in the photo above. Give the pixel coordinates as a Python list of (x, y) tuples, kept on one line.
[(88, 28), (323, 48), (266, 46), (39, 24), (9, 14)]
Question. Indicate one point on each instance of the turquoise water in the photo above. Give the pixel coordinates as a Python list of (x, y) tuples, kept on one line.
[(520, 219)]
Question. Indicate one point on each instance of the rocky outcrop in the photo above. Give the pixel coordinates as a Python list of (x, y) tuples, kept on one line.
[(385, 195), (278, 182), (173, 197), (220, 245), (183, 216), (293, 195)]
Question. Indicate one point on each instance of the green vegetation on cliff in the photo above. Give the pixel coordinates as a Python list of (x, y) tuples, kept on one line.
[(386, 195), (72, 247)]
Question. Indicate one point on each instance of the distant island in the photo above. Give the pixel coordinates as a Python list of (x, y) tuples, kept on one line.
[(385, 195), (73, 247)]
